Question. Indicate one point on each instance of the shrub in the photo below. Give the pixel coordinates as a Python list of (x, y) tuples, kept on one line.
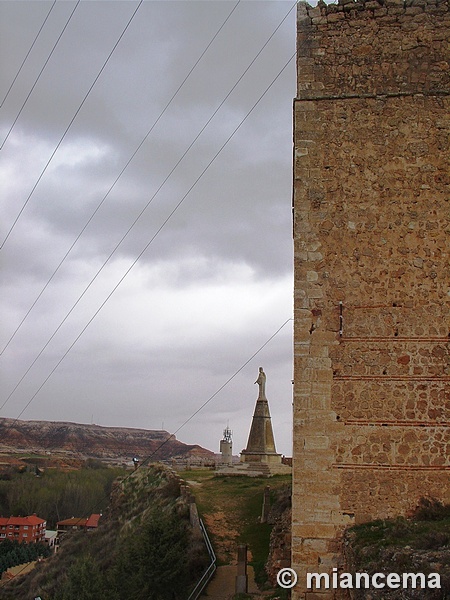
[(430, 509)]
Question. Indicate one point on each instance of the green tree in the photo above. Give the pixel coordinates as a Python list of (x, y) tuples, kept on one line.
[(22, 553), (6, 547), (56, 495), (13, 558), (152, 565), (84, 582)]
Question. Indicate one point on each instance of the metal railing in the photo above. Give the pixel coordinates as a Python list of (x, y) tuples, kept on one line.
[(206, 577)]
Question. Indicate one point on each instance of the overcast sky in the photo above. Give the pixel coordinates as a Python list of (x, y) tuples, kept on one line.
[(215, 282)]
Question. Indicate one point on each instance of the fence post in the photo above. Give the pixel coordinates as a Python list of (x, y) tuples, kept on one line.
[(242, 577), (266, 504)]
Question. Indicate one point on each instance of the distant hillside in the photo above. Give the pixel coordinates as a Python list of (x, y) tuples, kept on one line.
[(92, 441)]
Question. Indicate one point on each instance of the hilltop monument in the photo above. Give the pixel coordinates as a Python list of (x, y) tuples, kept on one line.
[(261, 443), (260, 453), (260, 457)]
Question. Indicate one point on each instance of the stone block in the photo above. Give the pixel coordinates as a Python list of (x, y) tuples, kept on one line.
[(316, 442), (314, 291), (316, 531), (312, 276)]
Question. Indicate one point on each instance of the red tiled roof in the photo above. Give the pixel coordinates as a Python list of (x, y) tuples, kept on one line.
[(18, 521), (74, 521), (92, 521), (34, 520)]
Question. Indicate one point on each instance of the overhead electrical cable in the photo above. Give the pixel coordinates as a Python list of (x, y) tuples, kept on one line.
[(203, 405), (195, 413), (117, 178), (28, 53), (71, 121), (151, 200), (221, 387), (40, 73), (174, 210)]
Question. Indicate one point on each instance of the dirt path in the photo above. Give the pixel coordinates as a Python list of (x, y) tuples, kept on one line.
[(221, 517), (231, 508), (223, 530), (223, 527)]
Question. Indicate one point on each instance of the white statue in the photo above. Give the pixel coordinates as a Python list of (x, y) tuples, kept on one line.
[(261, 381)]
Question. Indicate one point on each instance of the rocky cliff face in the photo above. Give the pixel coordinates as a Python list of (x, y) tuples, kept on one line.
[(93, 441)]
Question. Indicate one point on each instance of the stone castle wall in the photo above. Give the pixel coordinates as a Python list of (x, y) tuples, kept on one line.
[(372, 269)]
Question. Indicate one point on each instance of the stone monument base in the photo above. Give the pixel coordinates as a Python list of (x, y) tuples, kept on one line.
[(255, 468)]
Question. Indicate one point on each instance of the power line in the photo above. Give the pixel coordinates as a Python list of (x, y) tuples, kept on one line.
[(134, 223), (211, 397), (40, 73), (195, 413), (28, 53), (134, 153), (117, 178), (71, 121), (139, 255), (160, 186), (240, 369), (224, 384)]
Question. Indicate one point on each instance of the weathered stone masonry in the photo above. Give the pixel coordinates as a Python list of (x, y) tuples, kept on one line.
[(372, 269)]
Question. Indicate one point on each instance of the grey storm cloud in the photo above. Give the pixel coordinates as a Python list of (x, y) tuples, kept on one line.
[(216, 281)]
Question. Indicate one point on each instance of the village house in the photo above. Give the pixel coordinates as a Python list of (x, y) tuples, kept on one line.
[(26, 530), (76, 523)]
